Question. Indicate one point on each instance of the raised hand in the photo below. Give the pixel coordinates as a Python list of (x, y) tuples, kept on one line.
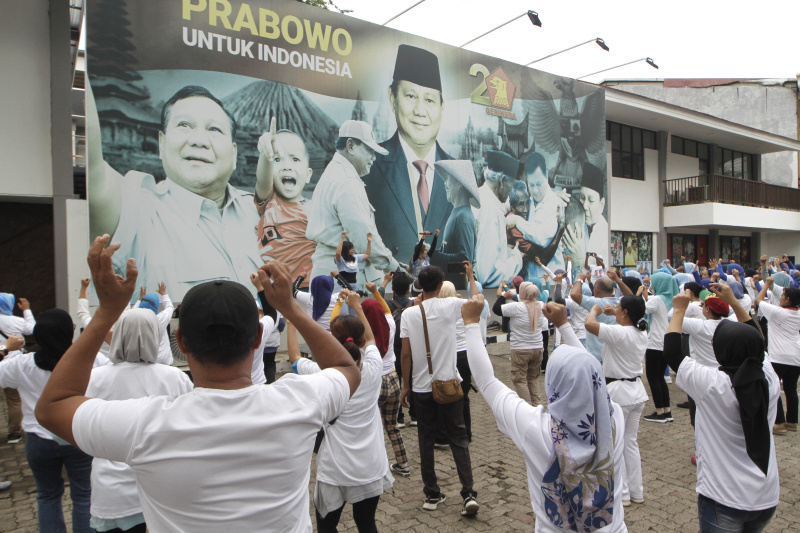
[(267, 146), (555, 313), (162, 288), (277, 284), (472, 309), (255, 281), (113, 291), (681, 301), (23, 304), (371, 287), (85, 282), (142, 292)]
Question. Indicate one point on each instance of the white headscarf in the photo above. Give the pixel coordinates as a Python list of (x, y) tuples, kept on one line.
[(135, 338), (578, 484)]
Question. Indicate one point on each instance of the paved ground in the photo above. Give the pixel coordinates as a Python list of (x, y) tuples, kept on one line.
[(500, 479)]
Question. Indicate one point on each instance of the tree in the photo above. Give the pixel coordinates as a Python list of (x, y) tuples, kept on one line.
[(324, 4)]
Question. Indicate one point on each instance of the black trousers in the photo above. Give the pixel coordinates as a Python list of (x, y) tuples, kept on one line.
[(269, 364), (363, 515), (452, 417), (789, 375), (655, 365), (466, 385)]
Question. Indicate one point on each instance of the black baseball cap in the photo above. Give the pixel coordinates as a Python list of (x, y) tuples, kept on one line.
[(219, 313)]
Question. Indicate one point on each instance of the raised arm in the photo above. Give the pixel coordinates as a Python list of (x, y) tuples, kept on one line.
[(373, 289), (721, 271), (433, 243), (592, 325), (575, 293), (726, 294), (66, 388), (329, 353), (369, 247), (267, 149), (613, 276), (354, 301), (557, 314), (105, 201), (473, 287), (338, 256), (292, 344), (762, 294), (672, 340)]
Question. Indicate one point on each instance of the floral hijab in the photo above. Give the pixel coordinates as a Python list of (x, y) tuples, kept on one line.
[(578, 484)]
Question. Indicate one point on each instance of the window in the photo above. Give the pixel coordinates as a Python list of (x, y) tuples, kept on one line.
[(735, 164), (691, 148), (693, 247), (632, 250), (627, 149)]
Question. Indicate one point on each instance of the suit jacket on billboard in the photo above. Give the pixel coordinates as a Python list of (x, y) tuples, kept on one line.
[(390, 194)]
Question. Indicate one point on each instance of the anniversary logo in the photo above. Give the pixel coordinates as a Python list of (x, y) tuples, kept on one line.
[(379, 134)]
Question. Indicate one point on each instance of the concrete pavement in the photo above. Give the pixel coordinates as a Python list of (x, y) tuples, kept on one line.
[(500, 479)]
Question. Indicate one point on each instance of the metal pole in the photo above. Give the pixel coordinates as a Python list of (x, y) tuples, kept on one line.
[(490, 31), (611, 68), (402, 12), (564, 50)]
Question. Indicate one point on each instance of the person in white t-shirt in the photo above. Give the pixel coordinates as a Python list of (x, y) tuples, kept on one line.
[(526, 326), (624, 345), (784, 349), (351, 462), (84, 317), (320, 299), (132, 374), (14, 325), (737, 473), (347, 260), (29, 373), (658, 306), (441, 315), (201, 460), (573, 450)]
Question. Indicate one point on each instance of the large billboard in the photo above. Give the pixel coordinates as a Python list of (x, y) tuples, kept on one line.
[(507, 162)]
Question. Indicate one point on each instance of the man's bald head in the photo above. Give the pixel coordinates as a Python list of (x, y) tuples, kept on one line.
[(603, 287)]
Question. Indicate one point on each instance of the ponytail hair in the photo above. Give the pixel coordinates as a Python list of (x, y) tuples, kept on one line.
[(349, 331), (635, 307)]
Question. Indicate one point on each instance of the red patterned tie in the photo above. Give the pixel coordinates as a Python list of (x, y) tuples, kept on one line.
[(422, 184)]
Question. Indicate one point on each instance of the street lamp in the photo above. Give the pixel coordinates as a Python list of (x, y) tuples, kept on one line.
[(403, 12), (645, 59), (600, 42), (532, 15)]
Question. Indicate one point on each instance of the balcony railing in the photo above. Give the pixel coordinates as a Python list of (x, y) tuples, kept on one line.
[(727, 190)]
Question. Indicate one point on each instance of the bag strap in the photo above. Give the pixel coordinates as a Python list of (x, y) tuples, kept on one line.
[(427, 340)]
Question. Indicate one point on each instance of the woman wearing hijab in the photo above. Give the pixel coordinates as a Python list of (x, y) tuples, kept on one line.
[(132, 374), (664, 287), (320, 300), (526, 325), (741, 296), (29, 373), (624, 346), (573, 449), (351, 462), (737, 474), (784, 349)]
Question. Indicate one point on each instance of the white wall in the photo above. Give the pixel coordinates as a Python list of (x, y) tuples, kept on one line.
[(25, 103), (634, 203), (777, 243), (77, 250), (682, 166), (726, 215)]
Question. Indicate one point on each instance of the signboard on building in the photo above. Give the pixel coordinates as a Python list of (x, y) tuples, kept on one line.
[(196, 188)]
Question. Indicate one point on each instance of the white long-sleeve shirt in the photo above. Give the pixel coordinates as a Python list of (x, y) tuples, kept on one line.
[(164, 315)]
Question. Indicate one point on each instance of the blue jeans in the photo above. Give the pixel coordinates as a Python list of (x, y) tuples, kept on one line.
[(717, 518), (46, 459)]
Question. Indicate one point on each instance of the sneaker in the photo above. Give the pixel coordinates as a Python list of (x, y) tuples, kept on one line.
[(400, 424), (431, 504), (5, 485), (668, 416), (694, 460), (683, 405), (637, 500), (626, 503), (404, 471), (791, 427), (413, 422), (668, 379), (14, 438), (655, 417), (470, 507), (777, 429)]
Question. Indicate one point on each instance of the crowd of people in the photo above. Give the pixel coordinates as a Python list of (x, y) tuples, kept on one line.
[(149, 447)]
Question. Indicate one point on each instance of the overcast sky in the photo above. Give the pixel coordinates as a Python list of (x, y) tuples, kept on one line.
[(686, 39)]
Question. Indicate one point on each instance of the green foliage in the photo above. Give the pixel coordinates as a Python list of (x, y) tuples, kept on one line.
[(325, 4)]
